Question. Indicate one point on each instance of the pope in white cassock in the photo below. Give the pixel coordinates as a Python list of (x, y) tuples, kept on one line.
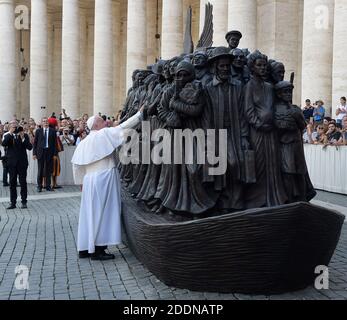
[(94, 167)]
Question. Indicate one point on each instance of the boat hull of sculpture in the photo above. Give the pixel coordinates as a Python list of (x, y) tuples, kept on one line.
[(258, 251)]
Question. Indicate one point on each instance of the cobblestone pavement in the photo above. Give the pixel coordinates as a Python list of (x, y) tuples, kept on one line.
[(43, 239)]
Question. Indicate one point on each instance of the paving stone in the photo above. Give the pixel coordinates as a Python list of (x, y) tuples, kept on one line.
[(44, 240)]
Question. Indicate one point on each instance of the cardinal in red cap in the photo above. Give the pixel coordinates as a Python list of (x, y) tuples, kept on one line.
[(53, 123)]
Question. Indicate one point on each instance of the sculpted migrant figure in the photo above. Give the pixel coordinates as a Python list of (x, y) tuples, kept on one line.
[(131, 95), (139, 170), (233, 38), (290, 123), (151, 179), (239, 68), (224, 110), (269, 189), (199, 61), (138, 95), (276, 71), (181, 189)]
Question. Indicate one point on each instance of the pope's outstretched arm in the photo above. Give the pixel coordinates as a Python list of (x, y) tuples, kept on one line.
[(132, 122)]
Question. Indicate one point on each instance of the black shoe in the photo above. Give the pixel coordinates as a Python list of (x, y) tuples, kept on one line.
[(49, 189), (84, 254), (39, 189), (6, 185), (102, 256), (58, 187), (11, 207), (24, 206)]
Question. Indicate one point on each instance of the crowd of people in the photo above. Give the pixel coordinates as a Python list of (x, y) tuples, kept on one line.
[(47, 139), (322, 130), (69, 132)]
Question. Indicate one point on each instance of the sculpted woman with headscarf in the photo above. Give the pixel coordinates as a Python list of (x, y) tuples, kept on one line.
[(150, 182), (180, 188), (139, 170), (259, 111), (139, 94)]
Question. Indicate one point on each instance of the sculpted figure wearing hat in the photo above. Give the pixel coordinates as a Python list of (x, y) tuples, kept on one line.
[(290, 123), (224, 111), (233, 38)]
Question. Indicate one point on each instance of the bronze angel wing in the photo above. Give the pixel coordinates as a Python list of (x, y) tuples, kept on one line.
[(206, 38), (188, 40)]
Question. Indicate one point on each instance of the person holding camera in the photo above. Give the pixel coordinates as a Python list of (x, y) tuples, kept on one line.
[(67, 139), (17, 143)]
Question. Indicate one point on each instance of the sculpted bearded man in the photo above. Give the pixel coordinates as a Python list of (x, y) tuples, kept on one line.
[(94, 166), (224, 110)]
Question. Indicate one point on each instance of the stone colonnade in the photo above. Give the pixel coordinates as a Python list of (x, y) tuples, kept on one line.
[(81, 54)]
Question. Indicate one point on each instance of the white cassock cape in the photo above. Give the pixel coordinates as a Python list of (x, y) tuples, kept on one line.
[(94, 166)]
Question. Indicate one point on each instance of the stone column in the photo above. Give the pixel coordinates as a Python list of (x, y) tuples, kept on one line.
[(83, 62), (152, 30), (275, 18), (56, 68), (71, 58), (339, 86), (8, 70), (242, 16), (90, 66), (137, 37), (103, 58), (24, 94), (318, 51), (117, 55), (172, 29), (39, 60), (123, 48), (220, 20)]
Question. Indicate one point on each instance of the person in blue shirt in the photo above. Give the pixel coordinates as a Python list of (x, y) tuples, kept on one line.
[(319, 112)]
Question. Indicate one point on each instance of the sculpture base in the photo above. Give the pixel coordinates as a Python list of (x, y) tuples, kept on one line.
[(259, 251)]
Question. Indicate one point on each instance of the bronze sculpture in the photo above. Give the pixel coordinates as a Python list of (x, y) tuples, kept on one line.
[(251, 251)]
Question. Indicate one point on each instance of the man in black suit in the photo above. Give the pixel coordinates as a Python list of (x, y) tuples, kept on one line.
[(17, 144), (43, 152)]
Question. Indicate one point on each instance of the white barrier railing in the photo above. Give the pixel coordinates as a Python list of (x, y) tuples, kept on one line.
[(327, 167), (66, 176)]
